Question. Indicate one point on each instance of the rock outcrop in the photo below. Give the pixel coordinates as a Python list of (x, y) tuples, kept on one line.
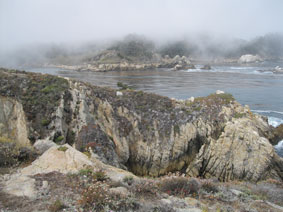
[(12, 121), (61, 159), (149, 134), (248, 58), (239, 152)]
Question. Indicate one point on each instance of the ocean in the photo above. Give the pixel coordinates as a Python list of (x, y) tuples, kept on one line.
[(253, 85)]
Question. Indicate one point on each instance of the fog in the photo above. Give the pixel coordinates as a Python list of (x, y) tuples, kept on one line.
[(30, 23)]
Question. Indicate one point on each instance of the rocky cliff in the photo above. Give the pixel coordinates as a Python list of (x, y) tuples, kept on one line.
[(142, 132)]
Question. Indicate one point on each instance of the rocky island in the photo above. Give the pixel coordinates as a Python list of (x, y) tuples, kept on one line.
[(133, 53), (64, 141)]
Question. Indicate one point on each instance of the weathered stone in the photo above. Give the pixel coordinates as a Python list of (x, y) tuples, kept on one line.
[(236, 192), (166, 201), (64, 159), (193, 202), (119, 93), (239, 153), (13, 121), (21, 185), (43, 145), (248, 58), (178, 67), (219, 92)]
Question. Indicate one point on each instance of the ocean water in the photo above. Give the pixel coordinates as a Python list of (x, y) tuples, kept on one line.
[(253, 85)]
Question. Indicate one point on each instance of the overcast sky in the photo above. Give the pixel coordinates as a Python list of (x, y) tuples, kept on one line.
[(37, 21)]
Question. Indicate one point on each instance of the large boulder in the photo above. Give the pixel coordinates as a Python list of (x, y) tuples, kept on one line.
[(248, 58), (239, 153), (64, 159)]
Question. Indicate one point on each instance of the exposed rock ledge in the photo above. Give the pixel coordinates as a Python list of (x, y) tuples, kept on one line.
[(146, 133)]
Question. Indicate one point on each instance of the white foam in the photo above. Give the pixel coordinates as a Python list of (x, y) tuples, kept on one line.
[(279, 148), (231, 70), (242, 68), (263, 72), (267, 111), (274, 121), (279, 145)]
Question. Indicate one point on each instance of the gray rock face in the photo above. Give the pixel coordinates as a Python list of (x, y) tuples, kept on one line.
[(12, 121), (240, 152), (43, 145)]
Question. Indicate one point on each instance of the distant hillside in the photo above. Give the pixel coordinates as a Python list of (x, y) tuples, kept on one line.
[(138, 49)]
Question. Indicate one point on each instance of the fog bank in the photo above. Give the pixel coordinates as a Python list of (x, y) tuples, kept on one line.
[(39, 21)]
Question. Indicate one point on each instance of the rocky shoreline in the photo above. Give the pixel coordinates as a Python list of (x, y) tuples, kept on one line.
[(176, 63), (128, 134)]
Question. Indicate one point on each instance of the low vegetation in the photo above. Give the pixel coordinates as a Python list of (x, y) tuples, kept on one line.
[(62, 148), (13, 154), (123, 86), (56, 206), (59, 139), (179, 186), (8, 152)]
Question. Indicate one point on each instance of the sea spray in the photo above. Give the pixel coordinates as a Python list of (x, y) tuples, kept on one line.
[(276, 122)]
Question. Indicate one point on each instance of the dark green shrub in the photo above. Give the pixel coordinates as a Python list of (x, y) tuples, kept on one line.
[(86, 172), (62, 148), (100, 176), (45, 122), (59, 139), (128, 179), (122, 86), (210, 187)]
